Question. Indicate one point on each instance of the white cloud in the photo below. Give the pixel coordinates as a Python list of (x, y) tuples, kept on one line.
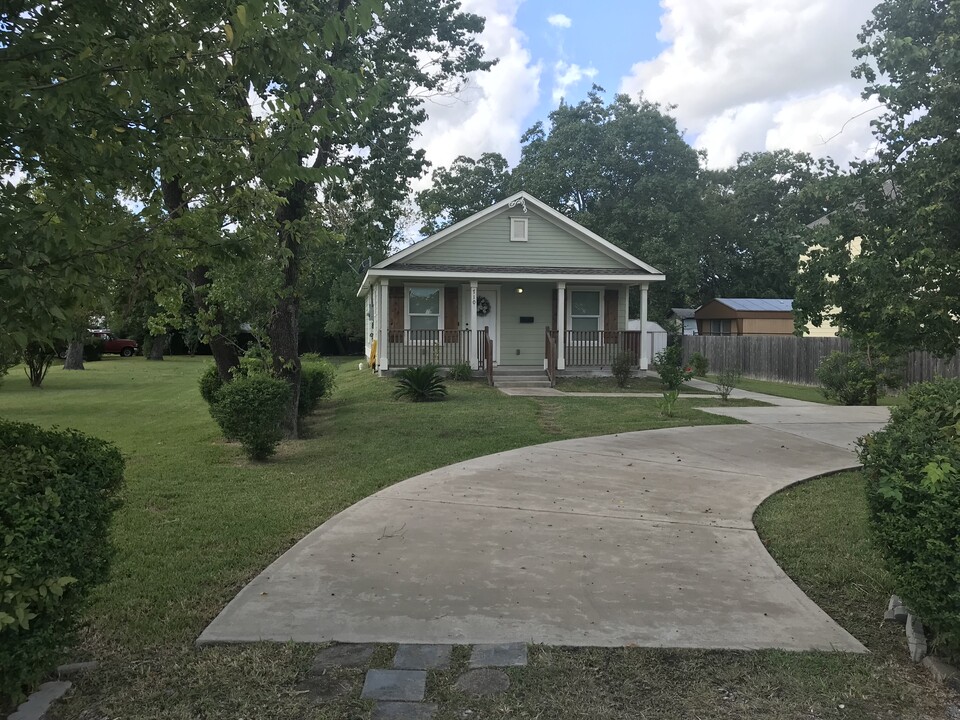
[(754, 75), (560, 20), (566, 75), (492, 110)]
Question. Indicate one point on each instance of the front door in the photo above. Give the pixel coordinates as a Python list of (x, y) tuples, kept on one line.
[(488, 314)]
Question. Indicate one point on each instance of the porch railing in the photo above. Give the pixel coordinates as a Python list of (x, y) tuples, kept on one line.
[(445, 348), (584, 348), (550, 353)]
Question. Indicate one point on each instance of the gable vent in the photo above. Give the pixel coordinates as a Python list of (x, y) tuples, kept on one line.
[(518, 229)]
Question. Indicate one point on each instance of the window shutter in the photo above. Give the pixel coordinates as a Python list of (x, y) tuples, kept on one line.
[(518, 229), (556, 301), (611, 302), (395, 325), (451, 313)]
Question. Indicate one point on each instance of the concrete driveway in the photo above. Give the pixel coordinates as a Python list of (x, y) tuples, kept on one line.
[(635, 539)]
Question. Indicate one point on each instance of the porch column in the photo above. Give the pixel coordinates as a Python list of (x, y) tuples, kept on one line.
[(383, 344), (561, 325), (644, 335), (474, 328)]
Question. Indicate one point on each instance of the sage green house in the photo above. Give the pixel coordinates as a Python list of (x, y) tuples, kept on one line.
[(517, 284)]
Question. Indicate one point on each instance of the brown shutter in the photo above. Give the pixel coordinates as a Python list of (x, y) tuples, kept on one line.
[(451, 314), (611, 311), (553, 316), (396, 315)]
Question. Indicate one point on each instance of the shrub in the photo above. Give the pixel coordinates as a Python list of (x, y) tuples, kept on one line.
[(622, 367), (668, 403), (461, 371), (913, 487), (854, 378), (210, 384), (311, 357), (669, 363), (727, 381), (38, 357), (251, 409), (317, 380), (58, 491), (8, 358), (420, 384), (92, 349), (700, 364)]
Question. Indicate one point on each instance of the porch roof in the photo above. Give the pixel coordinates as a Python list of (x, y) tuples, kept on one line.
[(411, 271)]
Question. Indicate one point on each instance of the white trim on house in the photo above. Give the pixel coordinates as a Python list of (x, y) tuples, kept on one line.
[(558, 218), (506, 277)]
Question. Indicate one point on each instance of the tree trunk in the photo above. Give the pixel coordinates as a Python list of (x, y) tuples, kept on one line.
[(158, 346), (74, 359)]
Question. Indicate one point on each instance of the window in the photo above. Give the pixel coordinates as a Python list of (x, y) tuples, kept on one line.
[(518, 229), (424, 308), (718, 327), (585, 310)]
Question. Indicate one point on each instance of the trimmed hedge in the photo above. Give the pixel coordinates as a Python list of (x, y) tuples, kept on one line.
[(913, 471), (317, 380), (58, 491), (250, 409), (210, 384)]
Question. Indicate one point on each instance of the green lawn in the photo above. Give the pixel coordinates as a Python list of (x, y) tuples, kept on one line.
[(199, 521), (608, 385), (796, 392)]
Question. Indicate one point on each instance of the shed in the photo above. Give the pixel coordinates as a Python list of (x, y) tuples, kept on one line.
[(684, 317), (745, 316), (656, 334)]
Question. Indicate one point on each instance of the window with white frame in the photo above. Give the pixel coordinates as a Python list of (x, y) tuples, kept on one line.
[(518, 229), (585, 310), (423, 308)]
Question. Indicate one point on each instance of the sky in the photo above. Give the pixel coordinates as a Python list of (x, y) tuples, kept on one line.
[(744, 75)]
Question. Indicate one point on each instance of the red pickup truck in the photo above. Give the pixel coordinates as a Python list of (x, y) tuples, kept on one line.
[(115, 345)]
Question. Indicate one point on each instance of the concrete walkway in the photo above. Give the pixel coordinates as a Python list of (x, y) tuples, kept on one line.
[(641, 538)]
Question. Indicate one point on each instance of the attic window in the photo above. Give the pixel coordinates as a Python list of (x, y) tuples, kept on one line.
[(518, 229)]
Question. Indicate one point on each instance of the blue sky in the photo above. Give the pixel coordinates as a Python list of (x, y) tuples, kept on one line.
[(745, 75)]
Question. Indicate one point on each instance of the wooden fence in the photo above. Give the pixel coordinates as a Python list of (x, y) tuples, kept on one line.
[(791, 359)]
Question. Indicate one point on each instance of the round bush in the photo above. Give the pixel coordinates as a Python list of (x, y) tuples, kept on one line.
[(250, 409), (854, 378), (913, 471), (317, 380), (58, 491), (210, 384)]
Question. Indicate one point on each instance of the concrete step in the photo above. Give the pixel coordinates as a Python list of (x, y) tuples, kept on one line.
[(501, 382)]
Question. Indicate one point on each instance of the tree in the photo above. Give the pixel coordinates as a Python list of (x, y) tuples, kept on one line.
[(902, 290), (624, 171), (466, 187)]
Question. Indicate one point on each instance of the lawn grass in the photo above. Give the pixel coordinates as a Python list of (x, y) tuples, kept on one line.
[(199, 521), (609, 385), (796, 392)]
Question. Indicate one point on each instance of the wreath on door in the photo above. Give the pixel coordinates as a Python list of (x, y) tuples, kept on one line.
[(483, 307)]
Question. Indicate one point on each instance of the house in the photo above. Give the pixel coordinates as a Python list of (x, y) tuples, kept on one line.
[(685, 319), (515, 285), (745, 316)]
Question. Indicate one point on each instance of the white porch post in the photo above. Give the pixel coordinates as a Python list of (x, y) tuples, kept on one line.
[(644, 335), (474, 328), (561, 324), (383, 346)]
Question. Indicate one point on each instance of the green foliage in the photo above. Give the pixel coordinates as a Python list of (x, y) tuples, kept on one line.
[(913, 467), (461, 371), (317, 381), (210, 384), (727, 381), (8, 358), (856, 378), (669, 364), (668, 403), (700, 364), (92, 349), (250, 409), (466, 187), (622, 367), (37, 358), (58, 490), (420, 384)]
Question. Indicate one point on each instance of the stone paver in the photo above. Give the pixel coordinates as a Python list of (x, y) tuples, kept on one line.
[(422, 657), (484, 682), (36, 706), (397, 685), (641, 538), (345, 655), (499, 655), (403, 711)]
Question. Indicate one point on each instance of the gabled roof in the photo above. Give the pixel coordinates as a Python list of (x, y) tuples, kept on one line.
[(552, 215), (757, 304), (683, 313)]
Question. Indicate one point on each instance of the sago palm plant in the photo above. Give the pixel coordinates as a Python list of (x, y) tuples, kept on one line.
[(420, 384)]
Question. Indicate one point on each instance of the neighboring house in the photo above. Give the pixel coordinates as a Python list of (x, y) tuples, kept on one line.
[(656, 336), (685, 319), (745, 316), (517, 284)]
